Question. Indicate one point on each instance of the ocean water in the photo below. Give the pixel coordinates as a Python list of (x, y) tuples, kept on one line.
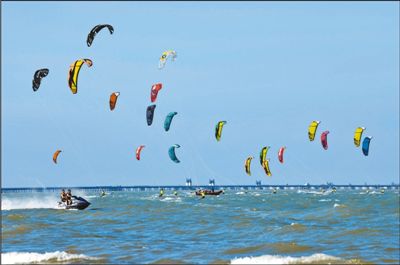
[(238, 227)]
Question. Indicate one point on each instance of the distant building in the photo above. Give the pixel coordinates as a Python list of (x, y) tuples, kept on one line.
[(258, 182), (189, 182)]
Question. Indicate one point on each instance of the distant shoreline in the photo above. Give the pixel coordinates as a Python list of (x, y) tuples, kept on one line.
[(194, 187)]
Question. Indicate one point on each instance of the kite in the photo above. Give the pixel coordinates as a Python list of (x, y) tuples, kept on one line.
[(154, 91), (280, 154), (96, 30), (266, 167), (247, 164), (263, 154), (37, 78), (138, 150), (324, 139), (171, 153), (74, 72), (168, 120), (312, 129), (55, 155), (113, 100), (218, 129), (357, 136), (365, 145), (163, 59), (150, 114)]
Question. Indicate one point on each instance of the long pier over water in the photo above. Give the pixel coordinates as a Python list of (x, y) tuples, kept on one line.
[(216, 187)]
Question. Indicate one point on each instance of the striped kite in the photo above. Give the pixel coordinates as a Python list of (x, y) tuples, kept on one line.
[(265, 165), (357, 136), (74, 72), (263, 154), (312, 129), (247, 164), (218, 129)]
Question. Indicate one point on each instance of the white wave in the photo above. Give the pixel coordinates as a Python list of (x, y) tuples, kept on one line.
[(171, 199), (311, 192), (240, 193), (339, 205), (318, 258), (33, 257), (30, 202), (324, 200)]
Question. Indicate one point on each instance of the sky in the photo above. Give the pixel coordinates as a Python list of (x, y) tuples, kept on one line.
[(267, 68)]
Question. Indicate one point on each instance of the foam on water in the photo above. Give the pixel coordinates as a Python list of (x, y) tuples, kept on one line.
[(33, 257), (339, 205), (318, 258)]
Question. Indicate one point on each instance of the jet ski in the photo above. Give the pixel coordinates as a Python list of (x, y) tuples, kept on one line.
[(209, 192), (77, 203)]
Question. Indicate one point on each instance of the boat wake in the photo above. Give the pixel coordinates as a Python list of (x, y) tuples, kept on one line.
[(44, 202)]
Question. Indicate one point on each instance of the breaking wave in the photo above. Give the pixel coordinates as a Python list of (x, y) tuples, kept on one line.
[(318, 258), (33, 257)]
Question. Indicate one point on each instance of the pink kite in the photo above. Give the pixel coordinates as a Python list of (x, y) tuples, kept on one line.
[(280, 154), (324, 140), (138, 150)]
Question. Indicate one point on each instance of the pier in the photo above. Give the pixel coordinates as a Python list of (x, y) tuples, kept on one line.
[(217, 187)]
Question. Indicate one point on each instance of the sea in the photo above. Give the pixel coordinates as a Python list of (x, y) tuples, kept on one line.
[(293, 226)]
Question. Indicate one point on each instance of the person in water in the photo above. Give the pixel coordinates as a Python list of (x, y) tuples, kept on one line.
[(175, 193), (63, 196), (103, 193), (69, 197), (161, 192)]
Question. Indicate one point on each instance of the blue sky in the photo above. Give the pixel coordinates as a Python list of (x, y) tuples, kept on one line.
[(266, 68)]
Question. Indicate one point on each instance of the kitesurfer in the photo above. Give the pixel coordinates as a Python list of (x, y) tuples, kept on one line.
[(63, 196), (161, 192), (274, 191), (103, 193), (175, 193), (69, 197), (382, 190), (203, 194)]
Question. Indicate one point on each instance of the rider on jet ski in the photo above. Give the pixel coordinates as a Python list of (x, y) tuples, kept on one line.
[(63, 196), (69, 197)]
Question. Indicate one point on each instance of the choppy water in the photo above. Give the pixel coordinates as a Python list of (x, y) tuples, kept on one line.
[(348, 226)]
